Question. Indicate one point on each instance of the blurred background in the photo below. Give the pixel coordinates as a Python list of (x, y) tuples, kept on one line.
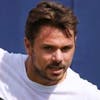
[(13, 14)]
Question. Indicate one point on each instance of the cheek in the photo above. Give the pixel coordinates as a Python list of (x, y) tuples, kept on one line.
[(42, 60), (69, 56), (46, 59)]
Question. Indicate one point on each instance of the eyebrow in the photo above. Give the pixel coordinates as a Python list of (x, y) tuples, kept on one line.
[(68, 45)]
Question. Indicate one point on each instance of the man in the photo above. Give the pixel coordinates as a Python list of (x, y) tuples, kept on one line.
[(45, 73)]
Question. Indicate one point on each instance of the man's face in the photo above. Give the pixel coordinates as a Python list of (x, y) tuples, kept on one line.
[(51, 54)]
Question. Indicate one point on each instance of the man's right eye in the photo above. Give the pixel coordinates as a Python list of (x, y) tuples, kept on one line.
[(48, 48)]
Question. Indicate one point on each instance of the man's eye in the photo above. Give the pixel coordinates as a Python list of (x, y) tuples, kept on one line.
[(65, 49), (48, 48)]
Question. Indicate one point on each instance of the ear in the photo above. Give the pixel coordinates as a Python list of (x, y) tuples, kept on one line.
[(28, 46), (75, 38)]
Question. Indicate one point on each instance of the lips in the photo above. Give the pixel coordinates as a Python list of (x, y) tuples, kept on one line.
[(56, 69)]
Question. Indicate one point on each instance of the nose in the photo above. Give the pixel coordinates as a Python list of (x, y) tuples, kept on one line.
[(57, 56)]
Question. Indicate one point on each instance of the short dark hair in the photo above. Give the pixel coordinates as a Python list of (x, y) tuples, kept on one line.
[(49, 13)]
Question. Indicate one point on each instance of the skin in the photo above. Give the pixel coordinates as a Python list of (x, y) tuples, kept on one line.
[(49, 56)]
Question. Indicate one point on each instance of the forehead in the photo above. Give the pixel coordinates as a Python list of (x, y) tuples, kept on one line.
[(52, 35)]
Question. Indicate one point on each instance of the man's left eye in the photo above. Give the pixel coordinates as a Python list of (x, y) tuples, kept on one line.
[(65, 49)]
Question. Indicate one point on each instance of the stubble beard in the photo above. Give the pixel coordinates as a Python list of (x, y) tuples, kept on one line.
[(46, 79)]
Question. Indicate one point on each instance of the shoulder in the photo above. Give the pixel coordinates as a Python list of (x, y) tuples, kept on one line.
[(89, 90), (2, 53), (5, 55), (10, 58)]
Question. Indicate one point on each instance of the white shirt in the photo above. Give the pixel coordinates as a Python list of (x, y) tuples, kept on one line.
[(15, 85)]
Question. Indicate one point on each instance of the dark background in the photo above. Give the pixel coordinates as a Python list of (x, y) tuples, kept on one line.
[(13, 14)]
